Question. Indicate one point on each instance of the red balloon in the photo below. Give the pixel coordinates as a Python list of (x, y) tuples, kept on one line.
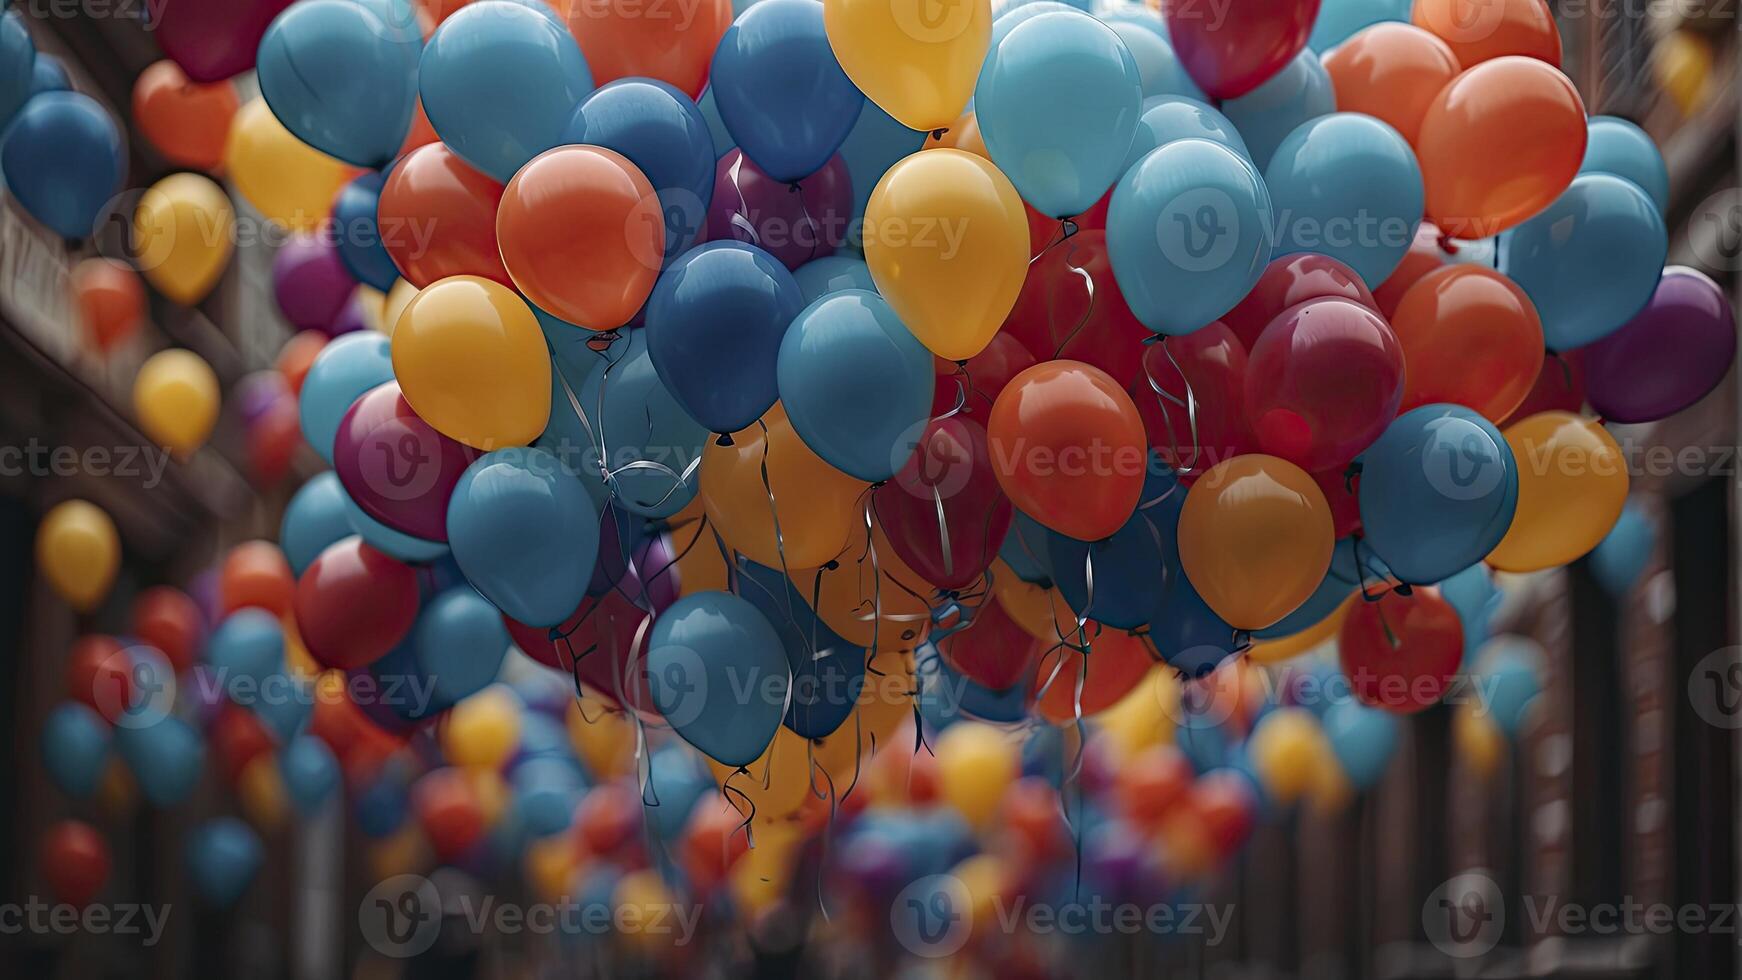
[(100, 674), (165, 618), (1059, 314), (353, 604), (977, 384), (1560, 387), (1323, 382), (1401, 652), (1226, 803), (1425, 255), (713, 841), (952, 464), (1153, 782), (793, 226), (255, 573), (1233, 47), (607, 817), (238, 737), (213, 39), (994, 650), (1117, 660), (596, 645), (1291, 281), (1211, 363), (74, 862), (1340, 488), (437, 217), (447, 807), (398, 469), (1031, 814), (272, 442)]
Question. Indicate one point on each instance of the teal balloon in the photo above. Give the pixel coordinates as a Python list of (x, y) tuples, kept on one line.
[(1158, 68), (247, 648), (1188, 234), (75, 748), (166, 758), (1176, 117), (650, 439), (285, 705), (1619, 147), (525, 534), (17, 66), (345, 368), (1339, 20), (876, 143), (1025, 550), (678, 780), (223, 856), (856, 384), (1269, 113), (47, 75), (1510, 679), (1590, 261), (717, 673), (1622, 556), (341, 78), (1438, 491), (459, 643), (1363, 739), (309, 773), (1474, 597), (314, 518), (546, 792), (1346, 185), (832, 274), (64, 160), (1057, 105)]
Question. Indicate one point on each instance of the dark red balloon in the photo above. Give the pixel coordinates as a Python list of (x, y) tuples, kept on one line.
[(447, 808), (795, 223), (1226, 803), (953, 464), (273, 440), (353, 604), (1231, 48), (397, 468), (164, 617), (1291, 281), (100, 675), (1560, 387), (977, 384), (1062, 314), (994, 650), (74, 862), (238, 737), (437, 218), (213, 39), (596, 644), (1211, 362), (1340, 488), (1401, 652)]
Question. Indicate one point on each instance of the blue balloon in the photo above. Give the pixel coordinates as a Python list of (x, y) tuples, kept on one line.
[(662, 132), (394, 544), (877, 142), (1352, 565), (360, 238), (546, 792), (500, 83), (1186, 632), (827, 672), (525, 533), (166, 758), (1175, 117), (1438, 490), (341, 79), (1158, 67), (717, 674), (831, 274), (651, 440), (1621, 557), (346, 367), (1131, 568), (1363, 739), (1474, 597), (1347, 186), (1512, 678), (723, 141), (284, 705), (1188, 234), (223, 855), (1590, 261), (17, 66), (1339, 20), (47, 75), (459, 643), (75, 748), (1205, 743), (714, 326), (856, 384), (780, 91), (544, 737), (678, 780), (246, 648), (63, 160), (1026, 550), (314, 518), (1300, 92), (1006, 17), (309, 772), (383, 804), (1619, 147), (1057, 104)]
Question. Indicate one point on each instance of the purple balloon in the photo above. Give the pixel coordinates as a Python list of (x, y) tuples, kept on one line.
[(795, 223), (655, 566), (256, 393), (351, 318), (397, 468), (213, 39), (203, 589), (1670, 355), (311, 282)]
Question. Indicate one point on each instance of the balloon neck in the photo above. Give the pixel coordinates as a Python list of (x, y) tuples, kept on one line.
[(1404, 589), (725, 439), (1447, 245), (601, 342), (1069, 226), (938, 134)]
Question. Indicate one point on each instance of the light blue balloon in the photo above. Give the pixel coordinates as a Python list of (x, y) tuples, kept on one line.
[(1363, 739), (75, 748), (856, 384), (1438, 491), (1619, 147), (546, 792), (1174, 117), (1474, 597), (1158, 67), (309, 771), (876, 143), (1339, 20), (1622, 556), (830, 274), (223, 856), (1188, 234), (1347, 186), (394, 544), (341, 79), (1300, 92), (717, 673), (678, 780), (500, 82), (63, 160), (360, 240), (723, 141), (1590, 261), (1057, 104), (314, 518), (1511, 679), (48, 75), (525, 534), (284, 705), (346, 367), (166, 758), (662, 132), (651, 441), (246, 648), (459, 643), (17, 66)]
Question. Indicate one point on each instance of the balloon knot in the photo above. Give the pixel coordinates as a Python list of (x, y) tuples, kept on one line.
[(831, 565), (938, 134), (1070, 226), (880, 484), (724, 440), (793, 188), (1404, 589), (601, 342)]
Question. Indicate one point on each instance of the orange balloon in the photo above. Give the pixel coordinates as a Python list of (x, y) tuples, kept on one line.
[(188, 122), (1117, 660), (582, 235), (1424, 256), (1499, 144), (421, 132), (255, 573), (1255, 539), (437, 217), (847, 598), (622, 38), (1069, 449), (1481, 30), (298, 355), (110, 300), (1393, 72), (1470, 337)]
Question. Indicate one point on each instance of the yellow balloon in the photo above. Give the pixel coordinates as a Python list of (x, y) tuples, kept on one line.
[(1572, 484), (483, 730), (847, 597), (604, 740), (184, 231), (286, 180), (78, 551), (1682, 64), (1145, 716), (986, 880), (473, 364), (976, 764), (1255, 539), (1041, 611), (818, 505), (550, 865), (1478, 739), (298, 659), (917, 59), (175, 396), (394, 305), (776, 784), (700, 566), (1288, 647), (947, 242), (643, 909), (759, 878), (491, 791), (261, 791), (1288, 749)]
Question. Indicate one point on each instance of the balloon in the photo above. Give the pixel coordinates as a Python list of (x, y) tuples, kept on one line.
[(917, 64), (1070, 307), (1471, 337), (287, 181), (175, 397), (1057, 104), (1617, 146), (1339, 20), (1229, 61), (500, 83), (75, 862), (1480, 30), (1681, 65), (214, 39), (185, 121), (856, 385), (166, 619), (360, 240), (1363, 740), (1391, 72), (976, 764), (110, 300), (1401, 652), (353, 604), (717, 674), (1572, 484), (653, 441), (1176, 117), (817, 505), (310, 773), (1560, 386), (890, 610), (18, 54), (1625, 552), (658, 129), (75, 748), (1347, 186), (341, 373), (1269, 113), (721, 312), (1669, 356), (223, 856), (832, 273), (341, 78), (525, 534), (1288, 281), (950, 474), (310, 279), (255, 573), (297, 356), (63, 160), (1425, 254), (1189, 234), (827, 672), (1157, 65), (247, 646), (395, 467), (673, 45), (1499, 144), (183, 234), (47, 74), (794, 226), (780, 91), (1323, 381), (1437, 491), (947, 244), (1255, 539), (458, 643), (167, 758), (472, 363), (1591, 261), (1210, 366), (314, 519), (582, 235), (1116, 662)]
